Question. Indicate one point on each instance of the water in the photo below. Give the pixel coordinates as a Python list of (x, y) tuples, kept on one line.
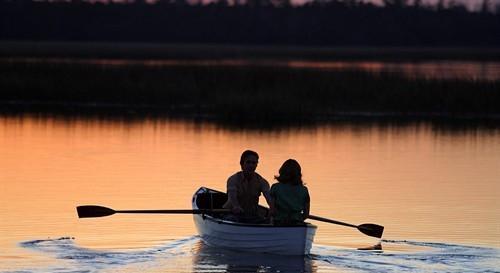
[(191, 255), (435, 189), (429, 69)]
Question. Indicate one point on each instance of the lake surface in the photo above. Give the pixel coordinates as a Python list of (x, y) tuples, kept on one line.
[(435, 189)]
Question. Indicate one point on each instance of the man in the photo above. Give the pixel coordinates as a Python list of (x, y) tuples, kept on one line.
[(244, 189)]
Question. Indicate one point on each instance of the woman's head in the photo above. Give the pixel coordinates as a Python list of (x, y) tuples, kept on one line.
[(290, 173)]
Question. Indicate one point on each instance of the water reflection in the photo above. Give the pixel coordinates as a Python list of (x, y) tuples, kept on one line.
[(209, 259), (443, 69), (429, 69), (437, 127)]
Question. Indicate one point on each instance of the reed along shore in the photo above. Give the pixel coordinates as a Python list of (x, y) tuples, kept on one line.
[(239, 94)]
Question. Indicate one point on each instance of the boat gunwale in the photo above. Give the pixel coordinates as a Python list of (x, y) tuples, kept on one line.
[(306, 225)]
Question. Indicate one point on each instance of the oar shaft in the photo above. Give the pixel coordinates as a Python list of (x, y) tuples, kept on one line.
[(174, 211), (89, 211), (314, 217)]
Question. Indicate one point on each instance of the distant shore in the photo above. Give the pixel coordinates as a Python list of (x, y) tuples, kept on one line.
[(240, 94), (41, 49)]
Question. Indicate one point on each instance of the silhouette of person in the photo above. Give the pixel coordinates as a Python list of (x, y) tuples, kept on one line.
[(290, 198), (244, 189)]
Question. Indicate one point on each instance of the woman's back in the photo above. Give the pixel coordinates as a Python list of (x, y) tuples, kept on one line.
[(290, 202)]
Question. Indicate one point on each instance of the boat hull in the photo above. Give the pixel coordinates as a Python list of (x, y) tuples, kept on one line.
[(262, 238)]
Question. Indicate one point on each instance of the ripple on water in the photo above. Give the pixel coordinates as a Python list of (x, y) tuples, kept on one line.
[(190, 255), (430, 257)]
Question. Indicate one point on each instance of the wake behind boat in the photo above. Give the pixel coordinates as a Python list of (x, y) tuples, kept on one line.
[(216, 231)]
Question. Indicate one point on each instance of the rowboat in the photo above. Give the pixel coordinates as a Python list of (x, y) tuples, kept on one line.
[(217, 231)]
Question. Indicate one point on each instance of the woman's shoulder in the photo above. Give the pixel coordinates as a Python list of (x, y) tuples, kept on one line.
[(304, 189), (278, 186)]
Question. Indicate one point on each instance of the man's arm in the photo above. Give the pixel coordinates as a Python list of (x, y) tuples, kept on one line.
[(232, 196), (267, 193), (270, 202), (269, 199)]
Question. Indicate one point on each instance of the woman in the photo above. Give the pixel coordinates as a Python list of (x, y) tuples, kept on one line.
[(290, 197)]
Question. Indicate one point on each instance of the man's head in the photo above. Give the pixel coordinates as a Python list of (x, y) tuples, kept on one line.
[(248, 161)]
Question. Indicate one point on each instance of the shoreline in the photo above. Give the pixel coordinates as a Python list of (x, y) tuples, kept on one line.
[(138, 51), (191, 112)]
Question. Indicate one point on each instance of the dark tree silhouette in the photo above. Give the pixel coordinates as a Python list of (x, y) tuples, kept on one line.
[(485, 6), (263, 22)]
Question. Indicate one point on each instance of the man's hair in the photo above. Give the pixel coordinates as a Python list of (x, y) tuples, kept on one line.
[(246, 154)]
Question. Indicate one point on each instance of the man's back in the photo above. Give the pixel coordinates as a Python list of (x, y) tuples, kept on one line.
[(247, 190)]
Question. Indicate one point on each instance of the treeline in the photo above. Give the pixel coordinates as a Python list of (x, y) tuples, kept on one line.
[(262, 22)]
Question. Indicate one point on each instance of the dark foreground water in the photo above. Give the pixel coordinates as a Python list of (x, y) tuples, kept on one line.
[(190, 255)]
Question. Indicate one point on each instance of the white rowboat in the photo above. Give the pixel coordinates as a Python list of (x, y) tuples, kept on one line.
[(216, 231)]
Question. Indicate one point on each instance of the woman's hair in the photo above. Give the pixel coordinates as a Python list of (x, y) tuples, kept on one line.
[(290, 173)]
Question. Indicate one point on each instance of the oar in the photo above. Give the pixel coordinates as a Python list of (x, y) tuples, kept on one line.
[(368, 229), (99, 211)]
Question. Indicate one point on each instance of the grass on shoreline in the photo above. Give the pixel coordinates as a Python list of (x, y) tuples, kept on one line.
[(239, 94)]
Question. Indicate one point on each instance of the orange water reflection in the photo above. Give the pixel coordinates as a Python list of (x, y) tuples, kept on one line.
[(421, 184)]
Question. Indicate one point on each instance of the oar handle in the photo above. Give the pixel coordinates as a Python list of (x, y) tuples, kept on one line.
[(314, 217)]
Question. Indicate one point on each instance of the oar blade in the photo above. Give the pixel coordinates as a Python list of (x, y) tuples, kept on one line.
[(372, 230), (93, 211)]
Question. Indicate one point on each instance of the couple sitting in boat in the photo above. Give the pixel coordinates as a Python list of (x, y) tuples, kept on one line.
[(288, 199)]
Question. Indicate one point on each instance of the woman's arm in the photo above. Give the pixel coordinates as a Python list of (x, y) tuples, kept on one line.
[(307, 206)]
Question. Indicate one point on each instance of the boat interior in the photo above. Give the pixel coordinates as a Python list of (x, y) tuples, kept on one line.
[(211, 200), (216, 200)]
